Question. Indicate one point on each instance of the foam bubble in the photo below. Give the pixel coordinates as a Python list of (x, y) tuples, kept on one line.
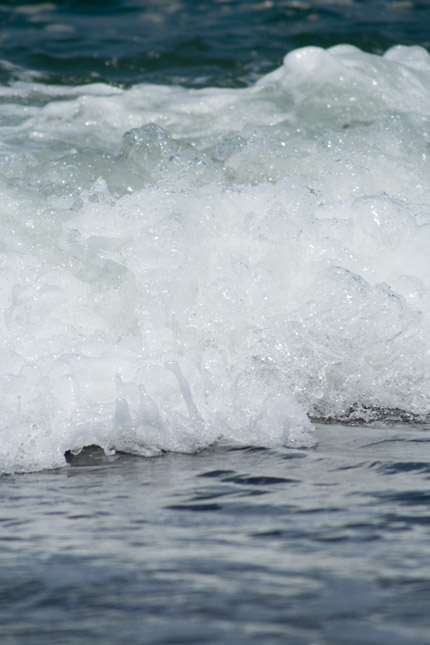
[(184, 267)]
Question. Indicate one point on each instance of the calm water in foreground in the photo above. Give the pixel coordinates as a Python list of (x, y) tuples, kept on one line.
[(327, 546)]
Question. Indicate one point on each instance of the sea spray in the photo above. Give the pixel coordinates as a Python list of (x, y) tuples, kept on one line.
[(182, 267)]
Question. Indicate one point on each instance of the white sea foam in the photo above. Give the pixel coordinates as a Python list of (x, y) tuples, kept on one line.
[(180, 267)]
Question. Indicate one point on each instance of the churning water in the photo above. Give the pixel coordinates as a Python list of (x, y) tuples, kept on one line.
[(217, 272), (182, 267)]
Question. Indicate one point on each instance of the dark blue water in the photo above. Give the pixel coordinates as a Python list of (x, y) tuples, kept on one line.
[(327, 546), (193, 42)]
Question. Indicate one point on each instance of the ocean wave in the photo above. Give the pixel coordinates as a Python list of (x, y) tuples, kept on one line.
[(184, 267)]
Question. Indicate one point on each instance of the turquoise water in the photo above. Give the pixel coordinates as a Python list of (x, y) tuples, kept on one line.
[(215, 322)]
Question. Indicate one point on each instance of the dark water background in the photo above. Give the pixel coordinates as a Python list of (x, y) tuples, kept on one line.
[(326, 547), (193, 42)]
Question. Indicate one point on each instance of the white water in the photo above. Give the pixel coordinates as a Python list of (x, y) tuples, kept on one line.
[(180, 267)]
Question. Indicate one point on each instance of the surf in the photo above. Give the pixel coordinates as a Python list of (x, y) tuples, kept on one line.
[(185, 267)]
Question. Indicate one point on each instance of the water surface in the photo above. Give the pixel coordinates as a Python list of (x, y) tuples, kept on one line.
[(215, 236), (324, 546)]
